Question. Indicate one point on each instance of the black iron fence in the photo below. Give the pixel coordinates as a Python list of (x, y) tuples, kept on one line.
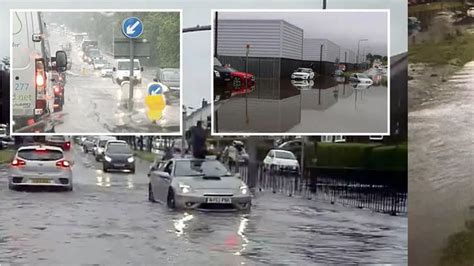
[(385, 198)]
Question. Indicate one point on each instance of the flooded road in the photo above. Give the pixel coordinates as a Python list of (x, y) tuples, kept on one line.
[(441, 167), (300, 106), (107, 219)]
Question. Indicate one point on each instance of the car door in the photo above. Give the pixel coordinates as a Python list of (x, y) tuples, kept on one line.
[(161, 181)]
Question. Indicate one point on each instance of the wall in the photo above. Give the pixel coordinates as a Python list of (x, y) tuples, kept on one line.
[(267, 38), (312, 50)]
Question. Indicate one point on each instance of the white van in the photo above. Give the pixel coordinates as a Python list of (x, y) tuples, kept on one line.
[(32, 91), (121, 70)]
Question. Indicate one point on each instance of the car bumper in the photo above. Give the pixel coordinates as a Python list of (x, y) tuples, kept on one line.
[(190, 201), (300, 77), (119, 165), (55, 181)]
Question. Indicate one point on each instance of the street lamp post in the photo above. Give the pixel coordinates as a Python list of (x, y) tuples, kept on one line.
[(358, 48), (324, 4)]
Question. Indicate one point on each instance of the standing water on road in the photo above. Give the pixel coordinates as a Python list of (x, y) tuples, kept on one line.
[(441, 167)]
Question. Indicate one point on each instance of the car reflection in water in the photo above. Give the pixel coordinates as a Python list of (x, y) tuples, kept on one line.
[(327, 105)]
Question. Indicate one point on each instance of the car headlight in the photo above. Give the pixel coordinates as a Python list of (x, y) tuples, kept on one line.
[(107, 158), (131, 159), (244, 189), (184, 188), (100, 150)]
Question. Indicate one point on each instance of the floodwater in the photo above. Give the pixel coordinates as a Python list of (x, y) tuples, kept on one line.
[(108, 220), (329, 105), (441, 167)]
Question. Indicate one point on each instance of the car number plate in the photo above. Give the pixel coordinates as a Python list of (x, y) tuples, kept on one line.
[(218, 200), (119, 165), (41, 180)]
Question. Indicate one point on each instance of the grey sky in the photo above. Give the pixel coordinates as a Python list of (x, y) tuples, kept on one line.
[(342, 28), (196, 46)]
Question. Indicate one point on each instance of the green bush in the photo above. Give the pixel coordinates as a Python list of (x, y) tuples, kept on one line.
[(6, 156), (370, 156)]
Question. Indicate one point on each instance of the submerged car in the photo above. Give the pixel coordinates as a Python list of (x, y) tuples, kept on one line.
[(189, 183), (118, 155), (237, 78), (38, 165), (303, 73), (361, 78)]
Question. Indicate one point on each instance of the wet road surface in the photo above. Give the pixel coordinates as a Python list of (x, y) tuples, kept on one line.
[(300, 106), (100, 103), (441, 167), (107, 219)]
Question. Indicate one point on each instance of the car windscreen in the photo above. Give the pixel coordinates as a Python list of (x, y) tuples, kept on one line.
[(170, 75), (363, 76), (102, 143), (100, 61), (57, 138), (118, 149), (3, 131), (284, 155), (40, 154), (303, 70), (126, 65), (200, 168)]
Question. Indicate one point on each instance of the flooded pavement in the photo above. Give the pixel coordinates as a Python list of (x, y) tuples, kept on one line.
[(327, 105), (107, 219), (441, 167)]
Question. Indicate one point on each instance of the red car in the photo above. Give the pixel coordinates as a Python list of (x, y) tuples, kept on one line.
[(59, 141), (229, 74)]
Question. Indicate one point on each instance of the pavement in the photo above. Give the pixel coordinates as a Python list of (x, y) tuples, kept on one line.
[(107, 219)]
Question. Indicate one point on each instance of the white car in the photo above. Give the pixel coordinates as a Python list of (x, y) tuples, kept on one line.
[(121, 71), (39, 165), (361, 78), (281, 160), (303, 73), (106, 70)]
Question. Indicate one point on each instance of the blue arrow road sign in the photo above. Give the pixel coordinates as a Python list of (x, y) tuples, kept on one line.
[(132, 27), (155, 89)]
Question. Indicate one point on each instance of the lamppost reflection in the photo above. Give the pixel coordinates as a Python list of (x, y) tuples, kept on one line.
[(241, 233)]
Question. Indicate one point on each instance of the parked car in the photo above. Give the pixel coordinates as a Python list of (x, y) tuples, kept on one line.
[(58, 141), (6, 142), (100, 144), (118, 155), (281, 160), (40, 166), (361, 78), (170, 77), (338, 73), (106, 70), (303, 73), (229, 74), (188, 183)]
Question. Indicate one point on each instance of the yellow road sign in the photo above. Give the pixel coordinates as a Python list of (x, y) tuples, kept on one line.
[(155, 104)]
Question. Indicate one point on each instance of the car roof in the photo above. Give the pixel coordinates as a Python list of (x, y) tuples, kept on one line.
[(30, 147), (107, 138), (116, 141)]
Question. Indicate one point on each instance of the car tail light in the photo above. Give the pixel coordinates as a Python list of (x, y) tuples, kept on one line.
[(56, 89), (18, 162), (63, 163), (40, 75)]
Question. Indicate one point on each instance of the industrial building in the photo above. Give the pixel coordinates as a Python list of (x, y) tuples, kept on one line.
[(321, 55), (276, 46)]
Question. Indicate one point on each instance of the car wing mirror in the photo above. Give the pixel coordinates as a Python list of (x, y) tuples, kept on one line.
[(61, 59), (141, 69)]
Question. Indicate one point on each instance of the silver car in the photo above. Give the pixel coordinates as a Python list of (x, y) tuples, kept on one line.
[(40, 166), (188, 183)]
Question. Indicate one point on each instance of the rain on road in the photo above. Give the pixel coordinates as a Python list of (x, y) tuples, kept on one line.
[(110, 221)]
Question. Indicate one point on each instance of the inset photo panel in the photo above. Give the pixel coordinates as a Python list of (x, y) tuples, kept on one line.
[(82, 72), (303, 72)]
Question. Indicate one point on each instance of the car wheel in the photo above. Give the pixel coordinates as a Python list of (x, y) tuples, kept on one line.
[(132, 170), (11, 186), (105, 169), (151, 197), (170, 201), (70, 188), (96, 158)]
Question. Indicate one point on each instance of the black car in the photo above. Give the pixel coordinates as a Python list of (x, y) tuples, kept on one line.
[(118, 155)]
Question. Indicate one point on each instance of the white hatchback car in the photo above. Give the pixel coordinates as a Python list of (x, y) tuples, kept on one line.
[(281, 160), (40, 166), (361, 78), (303, 73)]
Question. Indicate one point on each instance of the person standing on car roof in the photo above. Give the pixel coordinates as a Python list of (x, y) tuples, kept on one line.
[(198, 135)]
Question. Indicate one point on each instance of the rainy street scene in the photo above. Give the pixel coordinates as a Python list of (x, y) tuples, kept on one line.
[(441, 119), (72, 72), (251, 200), (274, 72)]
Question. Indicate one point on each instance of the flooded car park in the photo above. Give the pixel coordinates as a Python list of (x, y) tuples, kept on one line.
[(324, 105)]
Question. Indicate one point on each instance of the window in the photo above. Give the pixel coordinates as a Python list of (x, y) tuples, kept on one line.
[(339, 139), (285, 155), (326, 138), (40, 154), (168, 168)]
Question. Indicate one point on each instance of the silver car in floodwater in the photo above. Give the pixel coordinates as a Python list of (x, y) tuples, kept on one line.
[(205, 184), (39, 165)]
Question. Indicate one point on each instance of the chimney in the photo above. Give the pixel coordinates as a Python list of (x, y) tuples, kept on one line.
[(204, 103)]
